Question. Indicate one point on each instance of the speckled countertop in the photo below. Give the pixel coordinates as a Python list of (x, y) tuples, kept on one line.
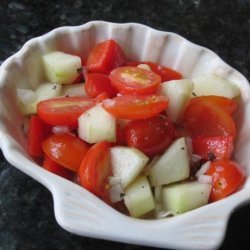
[(26, 208)]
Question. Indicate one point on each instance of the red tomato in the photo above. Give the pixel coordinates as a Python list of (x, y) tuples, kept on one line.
[(152, 136), (38, 131), (98, 83), (95, 170), (227, 177), (205, 117), (165, 73), (101, 97), (220, 147), (63, 110), (135, 107), (57, 169), (65, 149), (134, 80), (104, 57)]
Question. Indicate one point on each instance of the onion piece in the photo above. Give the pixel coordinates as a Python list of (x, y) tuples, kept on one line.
[(204, 168), (195, 158), (205, 179)]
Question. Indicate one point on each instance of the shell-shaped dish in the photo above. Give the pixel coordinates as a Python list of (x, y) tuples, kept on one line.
[(77, 210)]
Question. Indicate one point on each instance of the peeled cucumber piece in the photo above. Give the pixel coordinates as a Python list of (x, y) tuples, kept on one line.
[(96, 125), (172, 166), (127, 163), (76, 89), (29, 99), (215, 85), (178, 93), (183, 197), (139, 198), (61, 67)]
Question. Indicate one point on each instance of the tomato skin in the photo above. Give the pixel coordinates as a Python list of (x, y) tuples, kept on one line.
[(57, 169), (227, 177), (134, 80), (38, 131), (152, 136), (98, 83), (135, 107), (63, 110), (205, 117), (221, 147), (95, 169), (104, 57), (65, 149), (166, 74)]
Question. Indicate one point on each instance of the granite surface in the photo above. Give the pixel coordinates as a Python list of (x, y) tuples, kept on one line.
[(26, 208)]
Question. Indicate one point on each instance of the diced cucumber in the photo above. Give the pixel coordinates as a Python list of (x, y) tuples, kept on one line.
[(61, 67), (172, 166), (214, 85), (179, 93), (96, 125), (127, 163), (183, 197), (44, 91), (73, 90), (139, 198)]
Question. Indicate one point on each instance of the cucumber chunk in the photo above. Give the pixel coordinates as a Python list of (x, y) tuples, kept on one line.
[(61, 67), (76, 89), (127, 163), (172, 166), (139, 198), (183, 197), (96, 125), (179, 93), (215, 85)]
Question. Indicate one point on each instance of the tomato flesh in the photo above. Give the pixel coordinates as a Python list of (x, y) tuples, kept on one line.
[(152, 136), (134, 80), (135, 107), (38, 131), (65, 149), (104, 57), (95, 170), (98, 83), (219, 147), (227, 177), (205, 117), (57, 169), (166, 74), (63, 110)]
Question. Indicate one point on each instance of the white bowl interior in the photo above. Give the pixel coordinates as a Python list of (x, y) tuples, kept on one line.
[(24, 70)]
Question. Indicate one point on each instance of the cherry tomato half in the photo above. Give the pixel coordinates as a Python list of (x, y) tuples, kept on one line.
[(135, 107), (227, 177), (65, 149), (63, 110), (104, 57), (95, 170), (152, 136), (205, 117), (134, 80)]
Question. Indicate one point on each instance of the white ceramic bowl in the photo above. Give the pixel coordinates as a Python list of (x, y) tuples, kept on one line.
[(77, 210)]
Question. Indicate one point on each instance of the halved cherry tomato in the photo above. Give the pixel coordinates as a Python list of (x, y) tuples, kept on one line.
[(57, 169), (101, 97), (227, 177), (63, 110), (98, 83), (105, 56), (152, 136), (38, 131), (205, 117), (166, 74), (95, 170), (218, 147), (65, 149), (135, 107), (134, 80)]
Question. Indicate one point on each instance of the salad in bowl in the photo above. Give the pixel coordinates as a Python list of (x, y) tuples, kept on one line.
[(137, 133)]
